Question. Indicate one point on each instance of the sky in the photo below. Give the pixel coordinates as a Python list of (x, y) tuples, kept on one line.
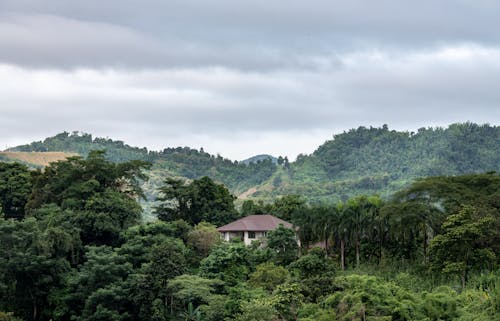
[(241, 78)]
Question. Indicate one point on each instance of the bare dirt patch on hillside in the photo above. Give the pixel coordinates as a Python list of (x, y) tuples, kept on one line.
[(37, 158), (247, 193)]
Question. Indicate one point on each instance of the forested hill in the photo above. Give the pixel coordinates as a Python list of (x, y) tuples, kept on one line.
[(363, 160), (380, 160), (181, 161)]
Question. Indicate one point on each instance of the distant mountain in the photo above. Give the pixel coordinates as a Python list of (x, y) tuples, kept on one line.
[(359, 161), (258, 158), (181, 161), (380, 160)]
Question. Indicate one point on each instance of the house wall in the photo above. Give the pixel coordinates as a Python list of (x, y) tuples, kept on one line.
[(244, 236), (248, 240)]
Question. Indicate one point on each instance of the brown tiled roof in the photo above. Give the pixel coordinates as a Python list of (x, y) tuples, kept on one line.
[(256, 223)]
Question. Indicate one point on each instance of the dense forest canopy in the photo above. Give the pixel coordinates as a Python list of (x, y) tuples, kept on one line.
[(73, 247), (365, 160)]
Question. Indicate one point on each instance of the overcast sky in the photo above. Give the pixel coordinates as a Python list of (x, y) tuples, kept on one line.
[(241, 78)]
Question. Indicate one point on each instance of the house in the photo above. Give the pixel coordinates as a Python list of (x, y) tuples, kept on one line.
[(252, 228)]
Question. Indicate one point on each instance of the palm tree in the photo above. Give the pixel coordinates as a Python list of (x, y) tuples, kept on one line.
[(324, 224), (342, 230)]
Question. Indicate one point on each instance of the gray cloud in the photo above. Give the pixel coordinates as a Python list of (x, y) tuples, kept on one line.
[(235, 34), (243, 77)]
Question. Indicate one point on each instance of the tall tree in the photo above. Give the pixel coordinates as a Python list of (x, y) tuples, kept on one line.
[(201, 200), (15, 188), (32, 265), (467, 242), (99, 197), (283, 242), (286, 206)]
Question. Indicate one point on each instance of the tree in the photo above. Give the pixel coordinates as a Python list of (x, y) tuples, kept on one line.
[(358, 215), (257, 310), (32, 267), (287, 300), (15, 188), (268, 276), (312, 264), (101, 274), (230, 262), (141, 241), (365, 297), (201, 200), (283, 242), (249, 207), (72, 182), (466, 242), (192, 289), (99, 197), (287, 206), (148, 286), (203, 238)]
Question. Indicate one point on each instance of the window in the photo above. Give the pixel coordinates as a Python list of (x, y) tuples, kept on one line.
[(251, 235)]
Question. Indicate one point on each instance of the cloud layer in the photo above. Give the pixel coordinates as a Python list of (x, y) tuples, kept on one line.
[(242, 78)]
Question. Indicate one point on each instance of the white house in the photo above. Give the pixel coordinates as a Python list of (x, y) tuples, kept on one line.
[(252, 227)]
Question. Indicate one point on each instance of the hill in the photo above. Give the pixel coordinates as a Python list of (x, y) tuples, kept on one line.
[(359, 161), (178, 162), (35, 158), (379, 160), (258, 158)]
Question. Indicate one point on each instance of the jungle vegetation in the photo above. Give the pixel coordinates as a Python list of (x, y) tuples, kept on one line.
[(73, 246), (366, 160)]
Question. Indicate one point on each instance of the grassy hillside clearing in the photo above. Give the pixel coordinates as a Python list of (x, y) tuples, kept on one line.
[(37, 158)]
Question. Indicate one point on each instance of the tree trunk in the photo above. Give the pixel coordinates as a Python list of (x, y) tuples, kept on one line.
[(342, 259), (425, 245), (380, 242), (357, 251), (35, 312)]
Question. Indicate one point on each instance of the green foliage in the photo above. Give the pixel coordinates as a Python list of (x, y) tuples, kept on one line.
[(466, 242), (201, 200), (30, 268), (98, 196), (15, 188), (83, 144), (288, 206), (287, 299), (191, 313), (257, 310), (8, 317), (185, 162), (230, 262), (80, 252), (268, 276), (314, 263), (103, 269), (369, 298), (203, 238), (440, 304), (193, 289), (382, 161), (283, 243), (140, 241), (360, 161)]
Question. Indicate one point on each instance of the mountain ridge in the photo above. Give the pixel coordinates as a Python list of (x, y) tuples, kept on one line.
[(365, 160)]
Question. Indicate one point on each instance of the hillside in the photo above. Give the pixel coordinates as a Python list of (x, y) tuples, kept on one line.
[(35, 158), (380, 160), (363, 160), (257, 158)]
